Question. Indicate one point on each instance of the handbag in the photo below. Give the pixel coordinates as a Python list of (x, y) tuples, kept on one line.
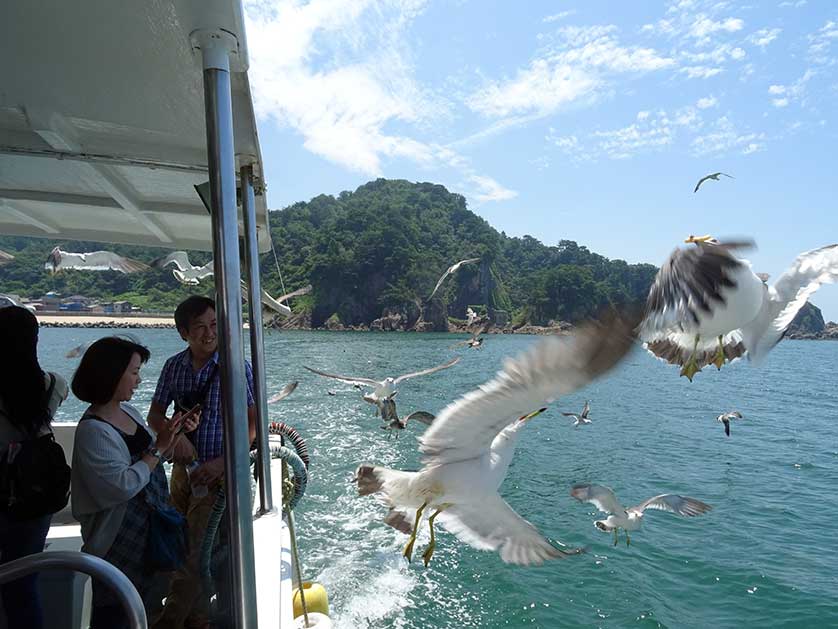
[(34, 476), (168, 544)]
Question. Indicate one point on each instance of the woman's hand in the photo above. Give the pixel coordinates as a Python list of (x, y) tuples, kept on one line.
[(168, 434)]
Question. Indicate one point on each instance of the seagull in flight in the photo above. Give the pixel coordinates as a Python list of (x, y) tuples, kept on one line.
[(471, 317), (451, 269), (92, 261), (5, 258), (468, 448), (631, 518), (581, 418), (725, 418), (185, 272), (475, 342), (387, 406), (383, 388), (706, 305), (713, 176)]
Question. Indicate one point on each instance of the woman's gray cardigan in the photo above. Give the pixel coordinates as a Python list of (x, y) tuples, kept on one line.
[(103, 481)]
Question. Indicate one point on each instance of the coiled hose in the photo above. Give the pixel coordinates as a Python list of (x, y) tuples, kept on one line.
[(298, 462)]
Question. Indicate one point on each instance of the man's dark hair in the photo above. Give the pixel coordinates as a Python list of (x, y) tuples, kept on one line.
[(191, 308), (102, 367)]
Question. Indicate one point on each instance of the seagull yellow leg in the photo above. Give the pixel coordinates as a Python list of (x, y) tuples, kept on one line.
[(429, 551), (691, 368), (719, 360), (628, 539), (616, 536), (408, 549)]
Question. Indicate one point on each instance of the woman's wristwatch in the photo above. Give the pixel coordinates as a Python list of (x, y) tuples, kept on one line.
[(153, 451)]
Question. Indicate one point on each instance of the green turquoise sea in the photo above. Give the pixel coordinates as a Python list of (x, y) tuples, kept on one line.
[(765, 556)]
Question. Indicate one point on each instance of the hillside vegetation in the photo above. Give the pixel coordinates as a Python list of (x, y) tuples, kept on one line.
[(379, 248)]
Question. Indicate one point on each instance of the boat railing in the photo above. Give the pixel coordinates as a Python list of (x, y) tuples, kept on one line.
[(94, 566)]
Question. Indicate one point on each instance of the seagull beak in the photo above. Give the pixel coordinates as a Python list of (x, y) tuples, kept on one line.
[(524, 418), (696, 239)]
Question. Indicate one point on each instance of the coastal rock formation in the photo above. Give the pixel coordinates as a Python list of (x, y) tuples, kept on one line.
[(809, 325), (434, 317)]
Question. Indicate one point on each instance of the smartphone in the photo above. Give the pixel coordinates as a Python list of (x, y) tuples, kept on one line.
[(191, 411)]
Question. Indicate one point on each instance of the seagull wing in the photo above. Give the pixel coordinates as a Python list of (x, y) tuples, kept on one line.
[(586, 409), (347, 379), (287, 390), (726, 421), (598, 495), (554, 366), (701, 181), (5, 258), (179, 258), (726, 175), (101, 261), (682, 505), (787, 296), (421, 416), (425, 372), (689, 282), (305, 290), (491, 524), (273, 304), (451, 269)]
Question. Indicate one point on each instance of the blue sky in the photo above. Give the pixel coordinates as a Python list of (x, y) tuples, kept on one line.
[(589, 121)]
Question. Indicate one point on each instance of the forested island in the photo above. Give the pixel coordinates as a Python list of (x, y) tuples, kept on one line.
[(377, 251)]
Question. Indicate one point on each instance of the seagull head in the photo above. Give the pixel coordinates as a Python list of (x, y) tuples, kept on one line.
[(699, 239), (524, 418)]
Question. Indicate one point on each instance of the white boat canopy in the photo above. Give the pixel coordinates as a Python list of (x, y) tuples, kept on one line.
[(102, 121)]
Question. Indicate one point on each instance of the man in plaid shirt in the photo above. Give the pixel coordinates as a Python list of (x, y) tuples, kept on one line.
[(187, 375)]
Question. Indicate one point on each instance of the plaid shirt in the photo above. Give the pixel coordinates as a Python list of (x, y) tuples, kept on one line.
[(178, 378)]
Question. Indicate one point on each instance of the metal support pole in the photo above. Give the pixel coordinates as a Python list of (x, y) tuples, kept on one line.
[(215, 47), (257, 347)]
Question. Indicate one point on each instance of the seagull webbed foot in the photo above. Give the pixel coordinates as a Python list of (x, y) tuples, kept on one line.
[(690, 369), (628, 539), (429, 551)]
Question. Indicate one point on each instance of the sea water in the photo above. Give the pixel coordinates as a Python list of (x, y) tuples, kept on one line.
[(765, 556)]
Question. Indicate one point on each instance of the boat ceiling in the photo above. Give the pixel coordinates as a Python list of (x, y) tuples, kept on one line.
[(102, 133)]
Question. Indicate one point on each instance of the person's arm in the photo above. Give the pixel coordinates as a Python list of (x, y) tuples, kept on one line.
[(251, 423), (156, 416)]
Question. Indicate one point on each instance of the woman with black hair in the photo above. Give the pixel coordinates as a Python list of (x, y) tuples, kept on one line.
[(117, 477), (28, 399)]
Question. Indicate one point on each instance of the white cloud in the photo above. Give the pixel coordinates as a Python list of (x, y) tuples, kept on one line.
[(796, 92), (490, 190), (579, 68), (764, 36), (796, 5), (700, 72), (558, 16), (703, 27), (820, 43), (339, 73), (724, 138), (707, 102)]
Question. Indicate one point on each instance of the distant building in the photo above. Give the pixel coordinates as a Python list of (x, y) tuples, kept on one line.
[(51, 301), (122, 306)]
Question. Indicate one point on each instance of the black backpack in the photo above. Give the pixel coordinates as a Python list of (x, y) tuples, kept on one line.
[(34, 476)]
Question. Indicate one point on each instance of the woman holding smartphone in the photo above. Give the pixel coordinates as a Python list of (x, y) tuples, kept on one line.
[(117, 477)]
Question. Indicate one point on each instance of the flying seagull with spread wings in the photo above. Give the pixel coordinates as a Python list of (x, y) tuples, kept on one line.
[(726, 418), (706, 306), (468, 448), (713, 176), (278, 304), (387, 387), (581, 418), (185, 272), (92, 261), (476, 340), (451, 269), (631, 518)]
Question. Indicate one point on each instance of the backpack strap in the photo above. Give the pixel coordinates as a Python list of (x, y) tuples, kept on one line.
[(204, 391)]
